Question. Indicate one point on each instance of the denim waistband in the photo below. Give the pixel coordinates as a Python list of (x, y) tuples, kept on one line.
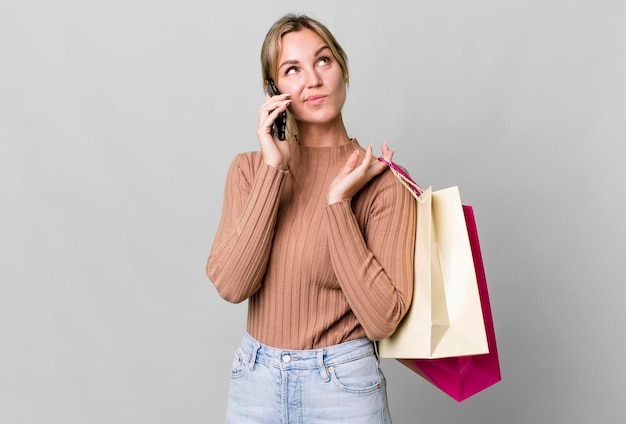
[(306, 359)]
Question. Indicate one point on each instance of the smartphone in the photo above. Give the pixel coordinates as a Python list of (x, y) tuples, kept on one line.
[(280, 124)]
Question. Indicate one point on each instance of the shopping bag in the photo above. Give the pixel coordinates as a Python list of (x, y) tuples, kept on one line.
[(464, 376), (445, 317)]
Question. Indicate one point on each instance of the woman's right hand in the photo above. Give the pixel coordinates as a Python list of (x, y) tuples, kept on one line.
[(276, 153)]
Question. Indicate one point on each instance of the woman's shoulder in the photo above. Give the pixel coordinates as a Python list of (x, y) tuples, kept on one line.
[(247, 161), (386, 187), (388, 178)]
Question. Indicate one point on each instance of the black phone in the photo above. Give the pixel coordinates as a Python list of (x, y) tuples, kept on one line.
[(280, 124)]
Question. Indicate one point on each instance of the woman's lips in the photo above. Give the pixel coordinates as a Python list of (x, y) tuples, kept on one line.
[(315, 100)]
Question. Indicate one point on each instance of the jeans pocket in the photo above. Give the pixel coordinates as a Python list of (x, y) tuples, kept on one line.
[(359, 376), (240, 365)]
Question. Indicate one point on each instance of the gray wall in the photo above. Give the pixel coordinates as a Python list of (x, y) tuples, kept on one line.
[(118, 120)]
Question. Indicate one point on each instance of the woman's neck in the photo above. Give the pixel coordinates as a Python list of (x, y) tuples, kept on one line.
[(323, 135)]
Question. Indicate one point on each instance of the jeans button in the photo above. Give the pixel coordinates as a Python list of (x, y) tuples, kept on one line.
[(286, 359)]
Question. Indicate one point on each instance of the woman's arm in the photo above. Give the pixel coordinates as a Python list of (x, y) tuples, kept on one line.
[(374, 264), (242, 245), (238, 258)]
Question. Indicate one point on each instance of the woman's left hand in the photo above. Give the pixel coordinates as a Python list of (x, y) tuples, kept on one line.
[(353, 177)]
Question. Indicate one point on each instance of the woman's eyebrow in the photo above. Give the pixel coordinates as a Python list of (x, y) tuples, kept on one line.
[(294, 62), (321, 49)]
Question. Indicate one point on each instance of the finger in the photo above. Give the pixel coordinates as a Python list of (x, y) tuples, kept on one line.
[(275, 106), (387, 152), (385, 149), (368, 156), (272, 102), (371, 166), (351, 163), (269, 112), (277, 96)]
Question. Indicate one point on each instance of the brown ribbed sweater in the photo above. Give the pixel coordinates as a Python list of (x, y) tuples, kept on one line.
[(314, 274)]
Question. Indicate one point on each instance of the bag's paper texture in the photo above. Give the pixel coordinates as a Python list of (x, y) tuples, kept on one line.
[(445, 318), (462, 377)]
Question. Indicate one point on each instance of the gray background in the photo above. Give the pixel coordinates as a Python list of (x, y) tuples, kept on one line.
[(118, 120)]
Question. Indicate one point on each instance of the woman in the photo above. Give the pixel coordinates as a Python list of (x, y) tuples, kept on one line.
[(319, 240)]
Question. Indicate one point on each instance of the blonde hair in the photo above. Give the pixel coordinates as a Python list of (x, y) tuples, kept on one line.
[(272, 44)]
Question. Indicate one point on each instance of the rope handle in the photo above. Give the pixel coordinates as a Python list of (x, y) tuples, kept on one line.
[(404, 178)]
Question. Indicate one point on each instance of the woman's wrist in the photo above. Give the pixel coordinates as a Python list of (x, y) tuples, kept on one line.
[(332, 199)]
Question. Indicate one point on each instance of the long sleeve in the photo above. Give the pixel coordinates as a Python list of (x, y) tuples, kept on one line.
[(242, 245), (313, 275), (374, 261)]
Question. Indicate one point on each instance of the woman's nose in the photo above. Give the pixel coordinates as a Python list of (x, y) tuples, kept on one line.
[(314, 79)]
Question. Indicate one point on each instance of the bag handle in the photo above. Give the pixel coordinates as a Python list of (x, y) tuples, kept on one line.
[(404, 178)]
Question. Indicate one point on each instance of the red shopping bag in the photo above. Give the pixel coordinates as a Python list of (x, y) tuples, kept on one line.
[(464, 376)]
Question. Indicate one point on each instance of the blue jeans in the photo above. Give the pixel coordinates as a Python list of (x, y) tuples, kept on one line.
[(338, 384)]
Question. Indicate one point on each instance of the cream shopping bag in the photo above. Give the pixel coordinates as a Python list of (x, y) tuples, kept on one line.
[(445, 317)]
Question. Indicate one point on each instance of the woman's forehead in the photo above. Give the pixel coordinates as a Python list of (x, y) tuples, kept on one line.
[(300, 43)]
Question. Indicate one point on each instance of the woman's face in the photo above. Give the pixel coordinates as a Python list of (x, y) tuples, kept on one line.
[(309, 72)]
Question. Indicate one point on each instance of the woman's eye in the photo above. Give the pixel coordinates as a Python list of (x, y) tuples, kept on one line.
[(324, 60), (291, 70)]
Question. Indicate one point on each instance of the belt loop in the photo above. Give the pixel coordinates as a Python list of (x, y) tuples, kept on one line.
[(253, 355), (376, 350), (322, 366)]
